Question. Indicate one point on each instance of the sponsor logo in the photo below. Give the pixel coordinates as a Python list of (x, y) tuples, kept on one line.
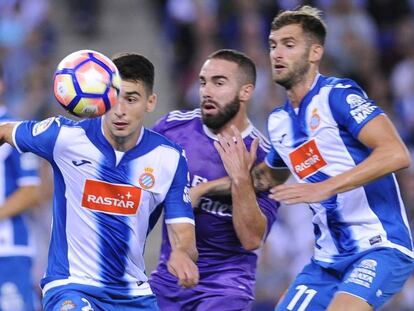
[(215, 207), (81, 162), (364, 273), (198, 179), (42, 126), (360, 107), (110, 198), (67, 305), (306, 159), (281, 138), (360, 113), (355, 100), (374, 240), (147, 179), (315, 120)]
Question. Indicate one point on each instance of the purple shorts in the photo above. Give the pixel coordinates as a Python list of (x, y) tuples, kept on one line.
[(194, 300)]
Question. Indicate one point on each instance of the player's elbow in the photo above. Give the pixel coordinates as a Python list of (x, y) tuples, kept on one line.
[(252, 243), (402, 158)]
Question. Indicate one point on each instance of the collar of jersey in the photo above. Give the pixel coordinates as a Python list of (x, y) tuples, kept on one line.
[(96, 136), (213, 136)]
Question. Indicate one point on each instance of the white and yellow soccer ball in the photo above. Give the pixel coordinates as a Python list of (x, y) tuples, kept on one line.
[(86, 83)]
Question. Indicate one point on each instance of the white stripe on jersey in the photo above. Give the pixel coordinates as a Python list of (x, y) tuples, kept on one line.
[(180, 220), (263, 141), (177, 115), (136, 290)]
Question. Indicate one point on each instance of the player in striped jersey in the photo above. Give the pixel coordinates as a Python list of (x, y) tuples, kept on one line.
[(228, 227), (343, 150), (19, 183), (110, 175)]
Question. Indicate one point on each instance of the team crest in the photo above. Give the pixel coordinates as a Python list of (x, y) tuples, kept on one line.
[(67, 305), (147, 179), (315, 119)]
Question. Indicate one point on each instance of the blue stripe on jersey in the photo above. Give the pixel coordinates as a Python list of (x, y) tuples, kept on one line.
[(154, 216), (385, 204), (114, 253), (58, 249), (358, 151), (300, 133), (340, 232)]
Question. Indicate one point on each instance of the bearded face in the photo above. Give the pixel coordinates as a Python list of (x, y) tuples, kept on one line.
[(294, 72), (222, 114)]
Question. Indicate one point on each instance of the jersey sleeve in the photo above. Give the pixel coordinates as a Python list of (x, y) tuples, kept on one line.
[(268, 207), (159, 125), (177, 203), (274, 160), (351, 108), (37, 137)]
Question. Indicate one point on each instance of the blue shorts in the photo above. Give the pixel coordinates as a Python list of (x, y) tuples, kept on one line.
[(192, 299), (374, 276), (76, 297), (16, 284)]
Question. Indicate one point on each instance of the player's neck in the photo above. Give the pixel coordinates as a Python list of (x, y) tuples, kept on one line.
[(123, 143), (297, 92), (240, 121)]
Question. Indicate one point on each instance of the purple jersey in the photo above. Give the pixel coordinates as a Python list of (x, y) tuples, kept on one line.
[(225, 266)]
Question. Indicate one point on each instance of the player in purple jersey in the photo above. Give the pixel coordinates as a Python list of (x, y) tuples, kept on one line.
[(110, 176), (228, 227), (19, 183), (343, 150)]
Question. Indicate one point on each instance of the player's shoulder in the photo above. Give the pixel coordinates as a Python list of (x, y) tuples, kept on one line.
[(345, 90), (264, 143), (177, 118), (340, 85), (156, 139)]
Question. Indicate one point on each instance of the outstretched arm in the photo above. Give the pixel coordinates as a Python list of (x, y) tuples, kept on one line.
[(6, 132), (183, 257), (263, 177), (388, 155)]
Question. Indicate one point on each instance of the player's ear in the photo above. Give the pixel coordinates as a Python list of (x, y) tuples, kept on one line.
[(151, 103), (315, 53), (246, 92)]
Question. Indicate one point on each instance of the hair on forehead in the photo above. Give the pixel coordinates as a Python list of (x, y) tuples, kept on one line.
[(135, 67), (245, 65), (309, 18)]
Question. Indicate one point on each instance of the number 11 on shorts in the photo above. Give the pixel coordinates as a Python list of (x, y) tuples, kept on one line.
[(302, 290)]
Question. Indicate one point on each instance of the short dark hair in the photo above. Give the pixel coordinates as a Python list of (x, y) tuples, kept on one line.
[(246, 65), (135, 67), (308, 17)]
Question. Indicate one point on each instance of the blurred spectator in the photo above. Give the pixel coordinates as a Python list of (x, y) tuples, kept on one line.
[(27, 37)]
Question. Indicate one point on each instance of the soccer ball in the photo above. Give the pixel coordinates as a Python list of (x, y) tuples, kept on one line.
[(86, 83)]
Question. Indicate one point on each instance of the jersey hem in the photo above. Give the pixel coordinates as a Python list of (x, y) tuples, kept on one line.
[(143, 289)]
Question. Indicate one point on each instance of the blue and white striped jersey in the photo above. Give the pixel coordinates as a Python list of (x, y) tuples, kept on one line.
[(319, 141), (102, 206), (16, 170)]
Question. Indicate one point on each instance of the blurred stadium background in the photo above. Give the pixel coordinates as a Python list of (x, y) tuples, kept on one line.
[(371, 41)]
